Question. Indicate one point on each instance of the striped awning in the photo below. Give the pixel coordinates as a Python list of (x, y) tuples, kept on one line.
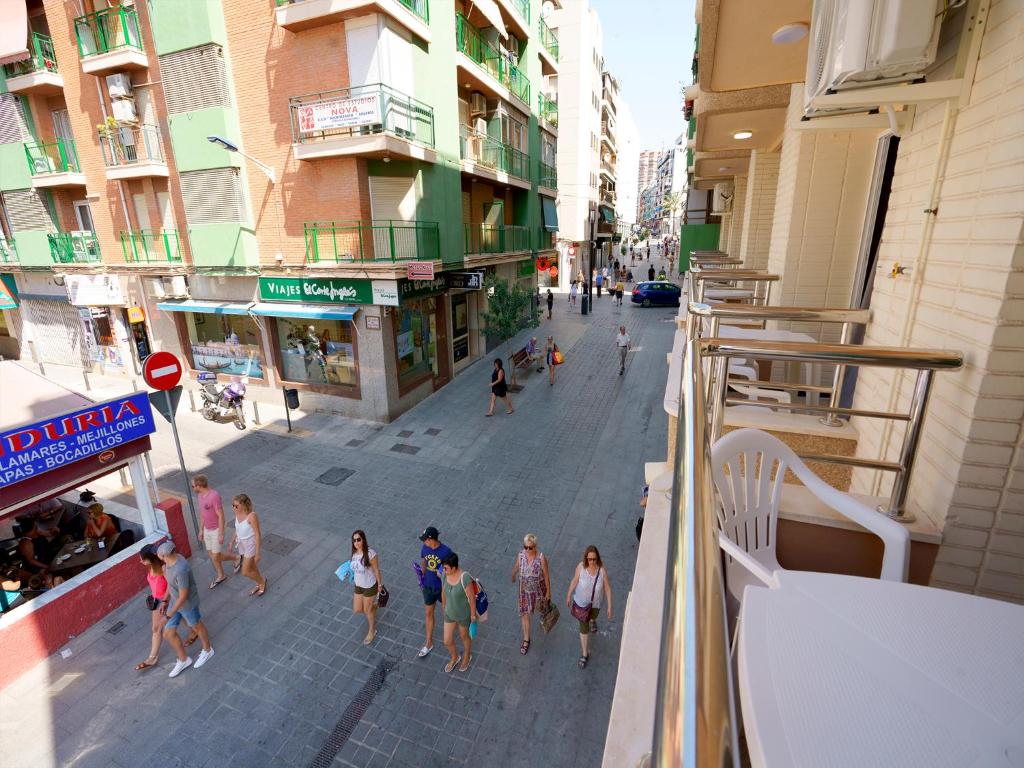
[(13, 31)]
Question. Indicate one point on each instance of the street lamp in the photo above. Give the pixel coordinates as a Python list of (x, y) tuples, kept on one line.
[(230, 146)]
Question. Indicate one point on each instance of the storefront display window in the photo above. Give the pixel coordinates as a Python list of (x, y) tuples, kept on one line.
[(415, 339), (317, 352), (228, 344), (460, 326), (101, 335)]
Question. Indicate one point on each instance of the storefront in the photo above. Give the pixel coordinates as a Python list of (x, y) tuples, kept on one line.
[(465, 290), (420, 332)]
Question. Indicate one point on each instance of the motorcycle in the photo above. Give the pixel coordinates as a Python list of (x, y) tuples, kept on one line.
[(222, 401)]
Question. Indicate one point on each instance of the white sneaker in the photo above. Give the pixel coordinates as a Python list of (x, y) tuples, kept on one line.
[(424, 651), (181, 666), (204, 657)]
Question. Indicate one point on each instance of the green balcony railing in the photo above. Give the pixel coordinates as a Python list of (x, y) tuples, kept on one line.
[(8, 251), (469, 41), (41, 58), (548, 176), (548, 38), (547, 109), (523, 8), (377, 240), (491, 153), (360, 111), (151, 246), (499, 238), (58, 156), (74, 248), (106, 30)]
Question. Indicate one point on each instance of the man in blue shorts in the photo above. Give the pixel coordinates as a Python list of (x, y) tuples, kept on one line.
[(431, 554), (182, 602)]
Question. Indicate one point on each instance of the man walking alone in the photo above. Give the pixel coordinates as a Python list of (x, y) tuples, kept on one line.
[(622, 342)]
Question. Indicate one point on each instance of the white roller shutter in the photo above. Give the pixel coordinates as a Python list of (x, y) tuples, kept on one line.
[(393, 198)]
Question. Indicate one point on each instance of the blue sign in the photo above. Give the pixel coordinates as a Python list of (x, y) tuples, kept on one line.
[(33, 449)]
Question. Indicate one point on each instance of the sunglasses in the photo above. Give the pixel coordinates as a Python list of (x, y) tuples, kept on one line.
[(591, 559), (529, 546), (357, 538)]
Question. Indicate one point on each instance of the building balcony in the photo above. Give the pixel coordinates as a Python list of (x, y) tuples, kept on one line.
[(547, 111), (548, 176), (133, 153), (110, 40), (489, 158), (381, 243), (151, 248), (607, 197), (485, 68), (8, 251), (297, 15), (516, 16), (548, 48), (365, 121), (608, 169), (38, 73), (486, 239), (54, 165), (69, 248)]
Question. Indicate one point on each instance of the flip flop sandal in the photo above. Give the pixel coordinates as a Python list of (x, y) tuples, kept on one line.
[(145, 664), (525, 647), (451, 665), (237, 566), (259, 591), (465, 667), (583, 661), (217, 581)]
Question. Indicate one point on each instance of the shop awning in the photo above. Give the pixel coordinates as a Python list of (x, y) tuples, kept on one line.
[(490, 11), (547, 207), (13, 31), (607, 214), (312, 311), (208, 307)]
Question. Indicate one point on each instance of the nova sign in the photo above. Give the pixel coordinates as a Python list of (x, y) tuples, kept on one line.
[(33, 449)]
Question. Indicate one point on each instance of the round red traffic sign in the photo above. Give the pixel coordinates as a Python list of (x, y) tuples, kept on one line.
[(161, 370)]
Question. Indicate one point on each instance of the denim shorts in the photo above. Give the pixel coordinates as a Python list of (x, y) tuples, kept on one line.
[(191, 617)]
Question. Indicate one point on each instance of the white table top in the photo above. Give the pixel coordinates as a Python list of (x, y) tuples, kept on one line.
[(845, 671), (762, 334)]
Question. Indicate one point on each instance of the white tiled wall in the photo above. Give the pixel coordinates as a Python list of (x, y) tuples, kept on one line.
[(739, 207), (756, 233)]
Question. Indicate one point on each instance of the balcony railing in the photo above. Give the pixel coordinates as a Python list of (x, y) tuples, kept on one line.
[(500, 238), (106, 30), (420, 7), (41, 58), (74, 248), (130, 145), (371, 241), (489, 152), (58, 156), (8, 251), (548, 176), (151, 246), (469, 41), (548, 39), (361, 110), (547, 109)]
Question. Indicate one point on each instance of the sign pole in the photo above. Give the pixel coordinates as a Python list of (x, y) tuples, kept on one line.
[(184, 472)]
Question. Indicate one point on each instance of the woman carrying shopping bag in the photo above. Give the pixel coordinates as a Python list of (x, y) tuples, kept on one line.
[(531, 568)]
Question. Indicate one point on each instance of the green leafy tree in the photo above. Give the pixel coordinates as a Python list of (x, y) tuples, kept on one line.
[(510, 309)]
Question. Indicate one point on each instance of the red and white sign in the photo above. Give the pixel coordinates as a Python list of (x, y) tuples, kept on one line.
[(420, 270), (340, 113), (572, 250), (161, 370)]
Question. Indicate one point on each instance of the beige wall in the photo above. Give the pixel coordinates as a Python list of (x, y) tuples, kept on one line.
[(739, 208), (756, 233)]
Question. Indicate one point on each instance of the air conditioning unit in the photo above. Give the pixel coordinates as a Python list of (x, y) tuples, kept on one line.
[(176, 286), (480, 125), (721, 200), (119, 85), (124, 110), (477, 104), (155, 287), (858, 43)]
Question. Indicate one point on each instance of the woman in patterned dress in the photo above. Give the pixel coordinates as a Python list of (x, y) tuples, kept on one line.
[(531, 568)]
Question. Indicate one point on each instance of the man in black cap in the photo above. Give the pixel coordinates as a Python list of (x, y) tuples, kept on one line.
[(431, 554)]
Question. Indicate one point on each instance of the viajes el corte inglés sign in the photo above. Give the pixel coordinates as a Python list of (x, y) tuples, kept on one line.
[(32, 449), (339, 113), (319, 290)]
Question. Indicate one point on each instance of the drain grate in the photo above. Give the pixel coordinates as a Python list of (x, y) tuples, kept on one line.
[(353, 713), (433, 431), (354, 443), (335, 476), (116, 628), (279, 545), (406, 433), (412, 450)]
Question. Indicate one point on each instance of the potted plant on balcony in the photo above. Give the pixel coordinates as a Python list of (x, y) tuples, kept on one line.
[(110, 132)]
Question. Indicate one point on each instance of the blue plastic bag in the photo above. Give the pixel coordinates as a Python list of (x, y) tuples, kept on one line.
[(344, 571)]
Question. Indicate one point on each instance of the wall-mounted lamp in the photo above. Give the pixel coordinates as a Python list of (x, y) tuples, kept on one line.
[(230, 146)]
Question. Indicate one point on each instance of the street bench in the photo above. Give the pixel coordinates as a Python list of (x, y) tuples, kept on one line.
[(521, 359)]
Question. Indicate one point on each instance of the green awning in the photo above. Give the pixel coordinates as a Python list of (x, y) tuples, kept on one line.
[(607, 214), (547, 206)]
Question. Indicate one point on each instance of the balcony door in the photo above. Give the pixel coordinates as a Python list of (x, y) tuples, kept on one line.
[(83, 216), (62, 124)]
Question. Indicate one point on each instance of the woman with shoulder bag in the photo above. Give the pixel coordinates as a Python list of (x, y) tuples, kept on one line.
[(587, 589), (458, 601), (366, 577), (157, 594), (531, 568)]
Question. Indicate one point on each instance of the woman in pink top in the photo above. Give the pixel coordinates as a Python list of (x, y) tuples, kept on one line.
[(154, 567)]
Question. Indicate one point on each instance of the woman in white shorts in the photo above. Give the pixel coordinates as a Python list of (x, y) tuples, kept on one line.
[(247, 539)]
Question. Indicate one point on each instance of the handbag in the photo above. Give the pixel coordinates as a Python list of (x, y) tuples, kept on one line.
[(582, 612), (382, 597), (548, 615), (481, 600), (152, 603), (558, 357)]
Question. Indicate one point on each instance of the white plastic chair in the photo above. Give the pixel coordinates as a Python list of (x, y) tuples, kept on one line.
[(748, 509)]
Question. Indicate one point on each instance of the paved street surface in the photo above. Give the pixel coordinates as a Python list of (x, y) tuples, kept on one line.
[(291, 683)]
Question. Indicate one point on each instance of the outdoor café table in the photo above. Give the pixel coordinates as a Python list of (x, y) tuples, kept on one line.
[(846, 671), (90, 556)]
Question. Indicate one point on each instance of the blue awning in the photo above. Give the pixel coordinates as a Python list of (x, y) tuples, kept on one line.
[(547, 206), (208, 307), (313, 311)]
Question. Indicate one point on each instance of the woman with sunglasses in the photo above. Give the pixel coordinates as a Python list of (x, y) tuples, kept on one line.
[(366, 575), (247, 538), (587, 590), (531, 567)]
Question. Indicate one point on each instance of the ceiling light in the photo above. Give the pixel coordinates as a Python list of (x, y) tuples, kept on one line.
[(742, 135), (725, 168), (790, 33)]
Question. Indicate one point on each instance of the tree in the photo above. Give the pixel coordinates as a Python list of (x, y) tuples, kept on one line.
[(510, 309)]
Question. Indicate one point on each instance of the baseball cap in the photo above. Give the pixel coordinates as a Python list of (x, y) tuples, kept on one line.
[(165, 549), (430, 532)]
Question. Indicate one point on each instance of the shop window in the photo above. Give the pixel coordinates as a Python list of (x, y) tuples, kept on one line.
[(228, 344), (460, 326), (317, 352), (415, 340), (101, 335)]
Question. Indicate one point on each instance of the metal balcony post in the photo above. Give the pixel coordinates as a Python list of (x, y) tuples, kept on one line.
[(908, 452), (831, 420), (167, 246), (124, 23), (391, 238)]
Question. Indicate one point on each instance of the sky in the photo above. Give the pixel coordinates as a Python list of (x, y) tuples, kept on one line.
[(648, 46)]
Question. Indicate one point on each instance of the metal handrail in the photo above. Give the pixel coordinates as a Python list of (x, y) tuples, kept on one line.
[(108, 29), (924, 361), (375, 240), (488, 151), (130, 145), (698, 279), (41, 58), (394, 113)]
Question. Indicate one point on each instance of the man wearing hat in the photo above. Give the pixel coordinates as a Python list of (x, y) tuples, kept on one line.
[(431, 554), (182, 602)]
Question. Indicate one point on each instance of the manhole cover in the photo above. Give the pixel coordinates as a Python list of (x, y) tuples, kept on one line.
[(116, 628), (433, 431), (354, 443), (279, 545), (335, 476), (412, 450), (405, 433)]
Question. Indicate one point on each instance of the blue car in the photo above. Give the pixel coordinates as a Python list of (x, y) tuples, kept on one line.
[(656, 293)]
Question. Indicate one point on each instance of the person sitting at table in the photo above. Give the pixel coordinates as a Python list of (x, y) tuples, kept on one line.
[(37, 552), (99, 525)]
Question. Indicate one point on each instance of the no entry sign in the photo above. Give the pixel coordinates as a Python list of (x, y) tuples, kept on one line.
[(161, 370)]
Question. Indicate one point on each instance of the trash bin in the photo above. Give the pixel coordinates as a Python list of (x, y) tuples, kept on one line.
[(585, 305), (291, 398)]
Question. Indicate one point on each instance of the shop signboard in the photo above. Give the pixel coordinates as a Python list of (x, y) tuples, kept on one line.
[(468, 281), (339, 113), (414, 289), (94, 290), (33, 449), (420, 270), (385, 292), (321, 290)]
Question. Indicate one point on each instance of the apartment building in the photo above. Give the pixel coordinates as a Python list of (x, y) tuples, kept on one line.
[(306, 193), (626, 169), (647, 170)]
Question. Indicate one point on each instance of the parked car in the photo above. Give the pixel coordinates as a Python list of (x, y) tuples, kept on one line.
[(656, 293)]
